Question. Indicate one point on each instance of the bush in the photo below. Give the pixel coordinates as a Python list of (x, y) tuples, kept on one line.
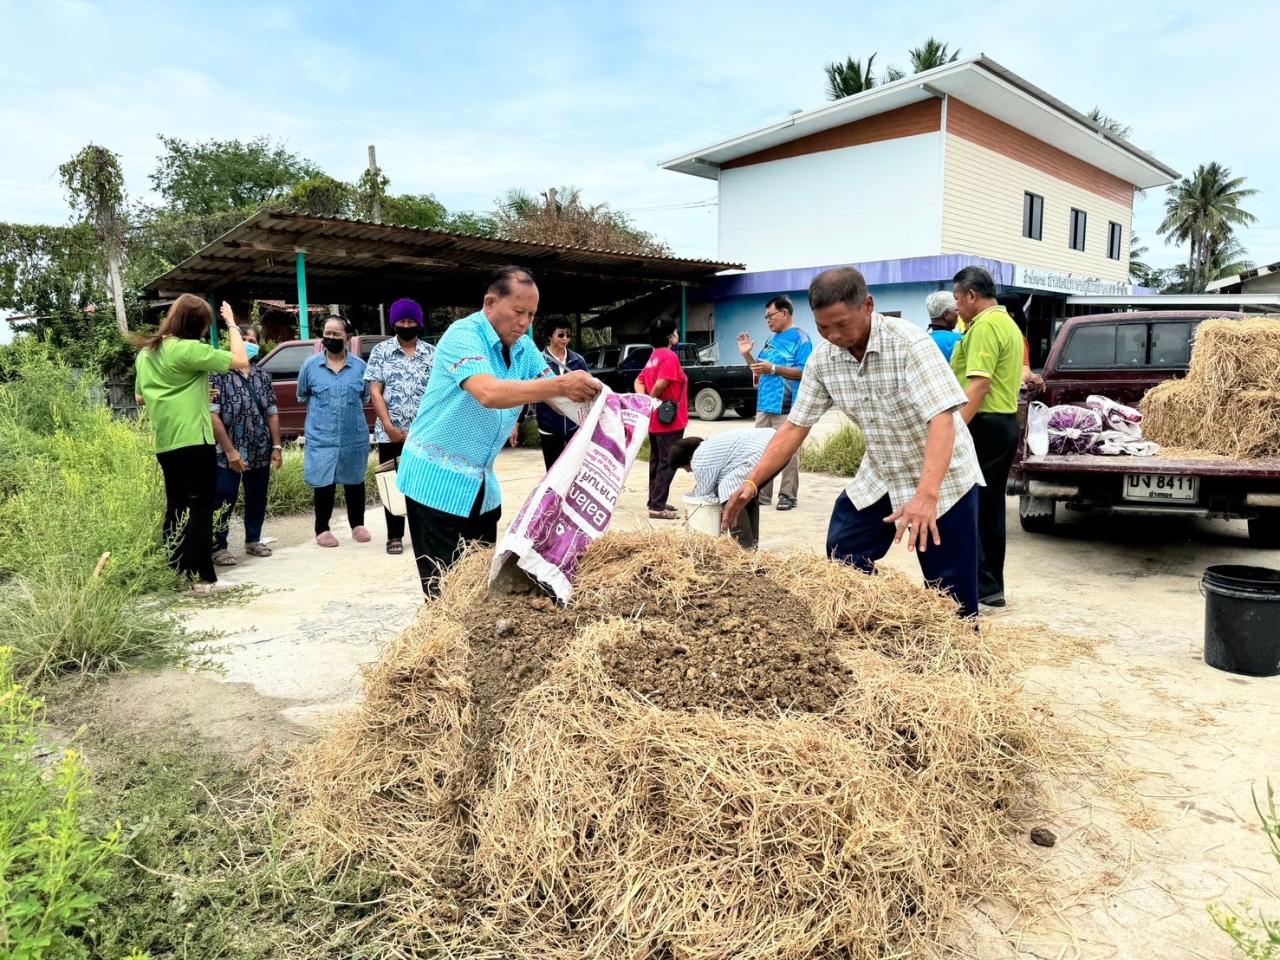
[(52, 871), (839, 454)]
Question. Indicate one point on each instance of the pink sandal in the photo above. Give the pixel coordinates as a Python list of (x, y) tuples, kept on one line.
[(327, 539)]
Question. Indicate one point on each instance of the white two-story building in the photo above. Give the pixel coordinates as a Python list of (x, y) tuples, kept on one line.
[(966, 163)]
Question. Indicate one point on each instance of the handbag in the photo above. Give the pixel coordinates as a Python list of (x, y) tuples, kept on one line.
[(387, 478), (667, 411)]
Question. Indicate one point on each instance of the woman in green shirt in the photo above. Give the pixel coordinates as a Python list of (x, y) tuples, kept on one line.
[(173, 367)]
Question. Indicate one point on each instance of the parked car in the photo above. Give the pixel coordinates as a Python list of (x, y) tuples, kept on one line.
[(712, 388), (1122, 356), (283, 364)]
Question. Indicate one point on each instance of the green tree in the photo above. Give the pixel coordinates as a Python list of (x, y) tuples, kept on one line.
[(1140, 272), (1203, 211), (852, 76), (321, 196), (94, 183), (215, 176), (1110, 124), (560, 216), (932, 53)]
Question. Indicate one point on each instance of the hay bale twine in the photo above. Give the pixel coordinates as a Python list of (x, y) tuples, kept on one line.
[(711, 753)]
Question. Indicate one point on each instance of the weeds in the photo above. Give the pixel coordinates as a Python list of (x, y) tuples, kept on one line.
[(289, 494), (77, 485), (839, 453), (1256, 937), (53, 872)]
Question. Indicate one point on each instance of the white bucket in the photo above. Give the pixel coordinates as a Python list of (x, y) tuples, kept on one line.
[(702, 517), (389, 493)]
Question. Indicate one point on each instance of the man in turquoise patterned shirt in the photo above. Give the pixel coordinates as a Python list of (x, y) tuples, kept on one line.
[(484, 373), (778, 370)]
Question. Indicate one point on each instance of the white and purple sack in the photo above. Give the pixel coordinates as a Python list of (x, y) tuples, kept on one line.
[(575, 501)]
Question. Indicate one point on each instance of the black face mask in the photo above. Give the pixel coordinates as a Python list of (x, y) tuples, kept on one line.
[(407, 333), (334, 345)]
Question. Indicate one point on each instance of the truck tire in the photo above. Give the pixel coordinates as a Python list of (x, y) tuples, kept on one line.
[(1264, 529), (708, 404), (1037, 514), (745, 410)]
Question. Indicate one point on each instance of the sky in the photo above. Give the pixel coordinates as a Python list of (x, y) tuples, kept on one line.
[(467, 99)]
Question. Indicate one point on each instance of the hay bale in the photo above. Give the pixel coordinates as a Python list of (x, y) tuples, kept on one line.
[(710, 753), (1227, 404), (1233, 355)]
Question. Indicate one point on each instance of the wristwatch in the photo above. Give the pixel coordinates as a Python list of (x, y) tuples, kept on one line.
[(773, 369)]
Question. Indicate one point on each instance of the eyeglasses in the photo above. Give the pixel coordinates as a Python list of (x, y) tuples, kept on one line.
[(770, 316)]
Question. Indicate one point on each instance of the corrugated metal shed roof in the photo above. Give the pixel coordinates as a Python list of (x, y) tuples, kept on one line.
[(355, 261)]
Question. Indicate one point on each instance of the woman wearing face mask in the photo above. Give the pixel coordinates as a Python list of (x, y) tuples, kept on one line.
[(397, 375), (555, 430), (331, 384), (246, 425)]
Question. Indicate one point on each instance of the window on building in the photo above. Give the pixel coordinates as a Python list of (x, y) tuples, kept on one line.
[(1032, 215), (1113, 241), (1078, 221)]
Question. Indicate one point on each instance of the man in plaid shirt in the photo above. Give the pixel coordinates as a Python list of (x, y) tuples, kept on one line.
[(919, 476)]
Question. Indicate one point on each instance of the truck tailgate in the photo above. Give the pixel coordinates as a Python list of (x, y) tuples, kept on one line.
[(1207, 467)]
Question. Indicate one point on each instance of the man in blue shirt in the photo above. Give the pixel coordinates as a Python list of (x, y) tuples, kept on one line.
[(943, 317), (484, 373), (778, 370)]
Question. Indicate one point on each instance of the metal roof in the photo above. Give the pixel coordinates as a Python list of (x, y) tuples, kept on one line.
[(979, 82), (355, 261), (1242, 276)]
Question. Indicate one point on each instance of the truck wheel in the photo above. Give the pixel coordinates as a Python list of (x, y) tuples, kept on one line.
[(708, 404), (1037, 514), (1264, 529), (746, 410)]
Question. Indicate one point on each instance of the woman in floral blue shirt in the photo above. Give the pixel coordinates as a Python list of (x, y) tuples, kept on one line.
[(246, 424)]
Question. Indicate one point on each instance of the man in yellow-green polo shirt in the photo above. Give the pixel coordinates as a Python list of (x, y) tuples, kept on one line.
[(988, 364)]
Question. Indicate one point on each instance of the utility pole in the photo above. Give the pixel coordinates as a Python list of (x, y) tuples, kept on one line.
[(376, 213)]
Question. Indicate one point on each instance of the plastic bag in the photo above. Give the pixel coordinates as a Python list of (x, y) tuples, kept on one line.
[(1116, 442), (1116, 416), (1073, 429), (1037, 429), (574, 503)]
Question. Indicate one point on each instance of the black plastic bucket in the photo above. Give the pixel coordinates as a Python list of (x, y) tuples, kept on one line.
[(1242, 619)]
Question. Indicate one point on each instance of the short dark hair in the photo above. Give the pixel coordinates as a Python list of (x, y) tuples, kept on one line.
[(782, 302), (841, 285), (977, 280), (246, 327), (556, 321), (681, 455), (500, 280), (660, 331)]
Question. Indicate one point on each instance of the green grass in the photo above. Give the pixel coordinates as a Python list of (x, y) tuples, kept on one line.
[(84, 580), (839, 454), (206, 871), (1256, 936)]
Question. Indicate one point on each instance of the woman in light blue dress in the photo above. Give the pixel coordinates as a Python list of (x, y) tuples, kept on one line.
[(332, 386)]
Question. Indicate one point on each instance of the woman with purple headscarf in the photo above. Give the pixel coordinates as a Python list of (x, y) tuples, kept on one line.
[(397, 374)]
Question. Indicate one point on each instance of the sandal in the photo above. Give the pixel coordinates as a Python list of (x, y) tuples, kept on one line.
[(257, 549), (224, 558), (395, 547), (326, 539), (663, 515)]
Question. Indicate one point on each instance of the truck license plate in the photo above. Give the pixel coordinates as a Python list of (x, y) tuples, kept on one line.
[(1160, 486)]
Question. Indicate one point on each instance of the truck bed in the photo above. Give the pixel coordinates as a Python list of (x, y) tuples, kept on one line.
[(1205, 467)]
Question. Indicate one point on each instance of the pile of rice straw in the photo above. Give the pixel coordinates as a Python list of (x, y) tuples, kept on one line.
[(1229, 402), (605, 825)]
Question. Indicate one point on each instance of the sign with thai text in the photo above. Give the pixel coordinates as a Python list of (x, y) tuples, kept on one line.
[(1039, 278)]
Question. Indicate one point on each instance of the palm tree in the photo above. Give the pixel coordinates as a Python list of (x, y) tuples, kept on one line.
[(1139, 270), (846, 79), (1203, 211), (1110, 124), (932, 53)]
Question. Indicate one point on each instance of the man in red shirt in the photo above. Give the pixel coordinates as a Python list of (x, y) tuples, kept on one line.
[(664, 379)]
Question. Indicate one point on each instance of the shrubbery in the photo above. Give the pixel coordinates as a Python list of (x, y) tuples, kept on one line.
[(839, 454)]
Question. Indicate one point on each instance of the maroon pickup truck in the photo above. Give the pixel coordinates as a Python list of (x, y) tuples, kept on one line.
[(1122, 356), (283, 364)]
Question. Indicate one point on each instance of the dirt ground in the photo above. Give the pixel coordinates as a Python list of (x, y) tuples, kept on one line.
[(1139, 853)]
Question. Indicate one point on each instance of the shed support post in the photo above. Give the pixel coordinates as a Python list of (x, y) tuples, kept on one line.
[(213, 328), (684, 312), (304, 320)]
